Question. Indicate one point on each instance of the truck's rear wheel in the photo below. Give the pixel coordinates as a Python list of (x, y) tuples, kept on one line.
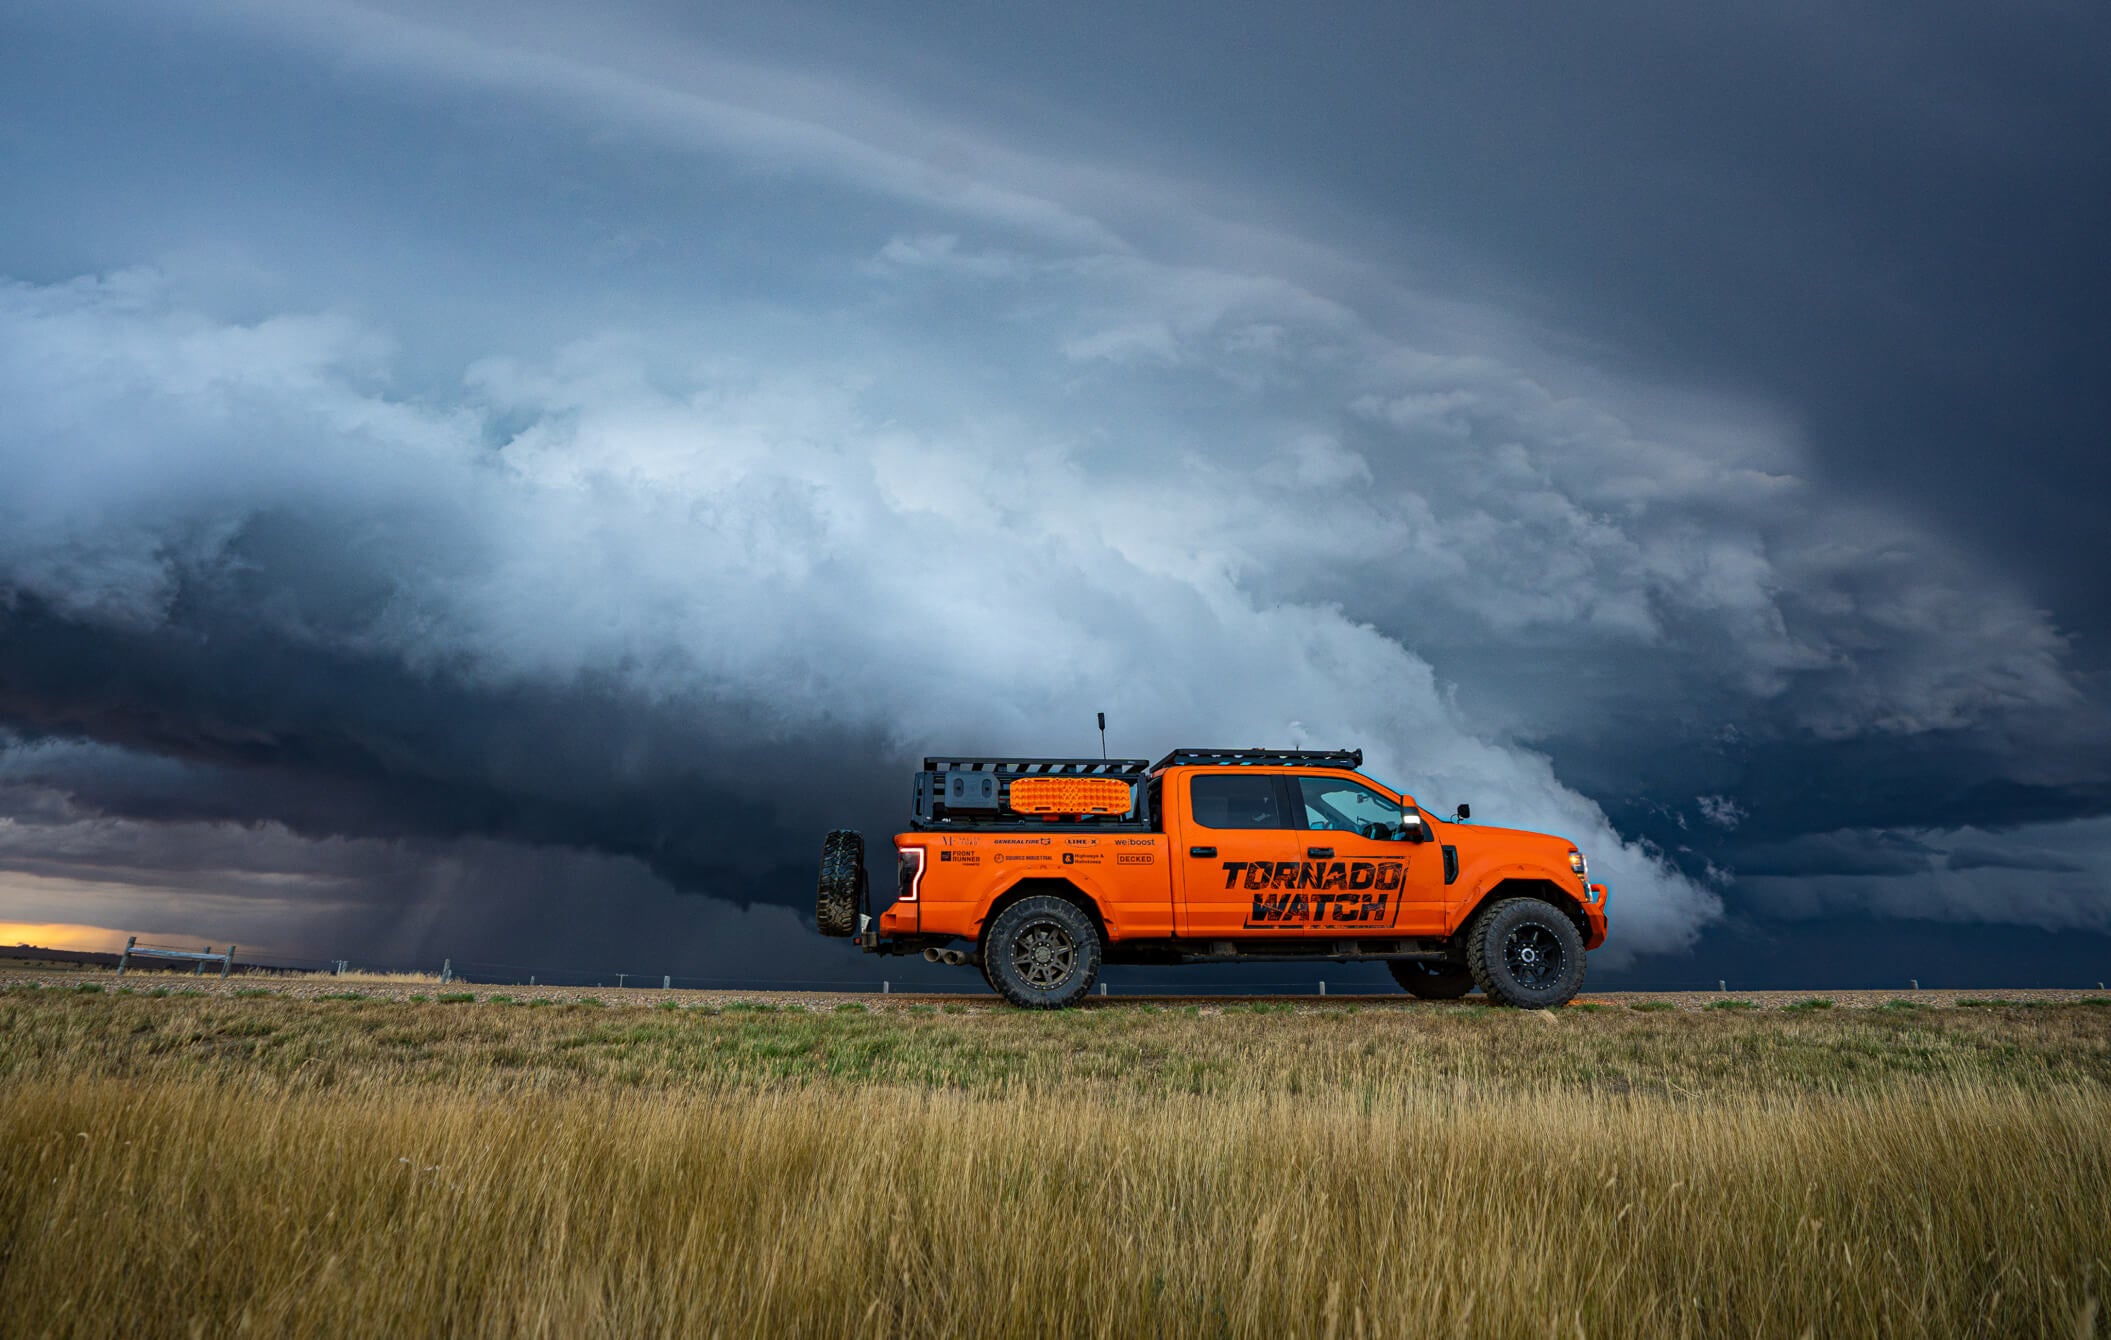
[(1431, 981), (842, 887), (1041, 953), (1526, 953)]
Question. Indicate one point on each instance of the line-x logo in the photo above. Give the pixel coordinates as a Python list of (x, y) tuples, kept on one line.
[(1280, 899)]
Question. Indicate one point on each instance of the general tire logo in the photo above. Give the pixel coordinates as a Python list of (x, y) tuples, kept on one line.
[(1311, 893)]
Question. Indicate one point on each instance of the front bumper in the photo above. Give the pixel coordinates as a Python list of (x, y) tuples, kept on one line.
[(1594, 915)]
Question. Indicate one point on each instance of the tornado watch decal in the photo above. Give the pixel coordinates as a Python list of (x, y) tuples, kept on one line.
[(1343, 893)]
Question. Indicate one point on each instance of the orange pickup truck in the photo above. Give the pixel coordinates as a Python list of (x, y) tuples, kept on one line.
[(1040, 870)]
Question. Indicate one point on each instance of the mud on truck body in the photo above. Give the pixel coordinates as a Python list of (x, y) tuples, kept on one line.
[(1040, 870)]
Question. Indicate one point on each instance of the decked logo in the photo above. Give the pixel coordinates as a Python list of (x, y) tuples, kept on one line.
[(1343, 892)]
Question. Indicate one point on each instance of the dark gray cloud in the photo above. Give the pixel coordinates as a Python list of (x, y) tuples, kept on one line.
[(634, 442)]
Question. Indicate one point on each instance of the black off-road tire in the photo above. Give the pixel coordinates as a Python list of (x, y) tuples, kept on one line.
[(1431, 981), (1507, 952), (1041, 953), (842, 889)]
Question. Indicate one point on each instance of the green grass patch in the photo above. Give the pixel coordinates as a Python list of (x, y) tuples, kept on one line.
[(1733, 1004), (1902, 1005), (458, 998), (343, 995), (1814, 1003), (1587, 1006), (1652, 1007), (87, 989), (850, 1007)]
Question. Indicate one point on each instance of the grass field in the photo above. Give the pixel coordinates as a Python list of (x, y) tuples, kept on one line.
[(177, 1163)]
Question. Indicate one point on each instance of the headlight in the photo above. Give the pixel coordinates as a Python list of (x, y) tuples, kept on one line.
[(1578, 864)]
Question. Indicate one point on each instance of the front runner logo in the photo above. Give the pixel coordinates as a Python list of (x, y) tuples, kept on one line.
[(1280, 898)]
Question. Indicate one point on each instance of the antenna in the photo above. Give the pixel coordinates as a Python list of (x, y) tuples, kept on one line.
[(1103, 735)]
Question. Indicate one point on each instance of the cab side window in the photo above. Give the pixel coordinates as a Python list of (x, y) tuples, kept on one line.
[(1334, 805), (1228, 800)]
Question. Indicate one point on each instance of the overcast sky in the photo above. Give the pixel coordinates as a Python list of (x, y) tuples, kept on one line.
[(499, 482)]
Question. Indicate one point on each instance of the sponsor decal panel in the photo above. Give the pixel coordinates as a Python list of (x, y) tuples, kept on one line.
[(1315, 893), (1083, 858), (1136, 858)]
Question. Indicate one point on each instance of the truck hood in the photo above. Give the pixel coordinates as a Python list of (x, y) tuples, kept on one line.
[(1554, 850)]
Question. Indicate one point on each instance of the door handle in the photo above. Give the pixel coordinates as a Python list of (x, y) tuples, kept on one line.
[(1202, 851), (1319, 853)]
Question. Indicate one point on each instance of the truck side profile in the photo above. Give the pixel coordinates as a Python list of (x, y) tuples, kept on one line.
[(1039, 871)]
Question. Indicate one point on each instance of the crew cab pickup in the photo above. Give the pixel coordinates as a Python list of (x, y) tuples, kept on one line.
[(1039, 871)]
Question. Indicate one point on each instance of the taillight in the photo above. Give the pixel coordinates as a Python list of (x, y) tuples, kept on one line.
[(910, 871)]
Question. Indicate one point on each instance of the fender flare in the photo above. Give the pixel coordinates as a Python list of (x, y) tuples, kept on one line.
[(1543, 883), (1061, 885)]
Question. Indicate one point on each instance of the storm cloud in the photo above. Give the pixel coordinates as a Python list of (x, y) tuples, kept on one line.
[(676, 434)]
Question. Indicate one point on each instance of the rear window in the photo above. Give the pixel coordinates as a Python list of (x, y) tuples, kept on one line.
[(1234, 800)]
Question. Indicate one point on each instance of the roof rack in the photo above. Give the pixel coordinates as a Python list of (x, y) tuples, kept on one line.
[(977, 793), (1046, 767), (1262, 758)]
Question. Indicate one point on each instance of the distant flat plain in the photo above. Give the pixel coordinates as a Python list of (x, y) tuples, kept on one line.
[(325, 1156)]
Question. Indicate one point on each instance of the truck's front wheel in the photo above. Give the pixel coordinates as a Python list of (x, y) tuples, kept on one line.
[(1526, 953), (1041, 953)]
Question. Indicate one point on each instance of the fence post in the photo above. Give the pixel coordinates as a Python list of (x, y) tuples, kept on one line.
[(446, 971), (1722, 986), (1915, 981), (1103, 988), (227, 963), (666, 981), (619, 979), (198, 968), (1323, 988), (126, 957), (886, 988), (531, 979)]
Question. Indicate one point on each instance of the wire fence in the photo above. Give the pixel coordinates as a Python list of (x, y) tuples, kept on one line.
[(915, 977)]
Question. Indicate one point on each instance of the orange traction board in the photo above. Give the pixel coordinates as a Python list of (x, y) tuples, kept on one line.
[(1070, 795)]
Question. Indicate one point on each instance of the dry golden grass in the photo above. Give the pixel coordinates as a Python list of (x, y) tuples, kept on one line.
[(303, 1167), (349, 977)]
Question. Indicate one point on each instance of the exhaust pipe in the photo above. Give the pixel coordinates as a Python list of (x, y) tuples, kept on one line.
[(934, 956), (956, 957), (952, 958)]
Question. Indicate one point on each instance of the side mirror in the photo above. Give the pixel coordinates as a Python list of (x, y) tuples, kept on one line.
[(1465, 813)]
